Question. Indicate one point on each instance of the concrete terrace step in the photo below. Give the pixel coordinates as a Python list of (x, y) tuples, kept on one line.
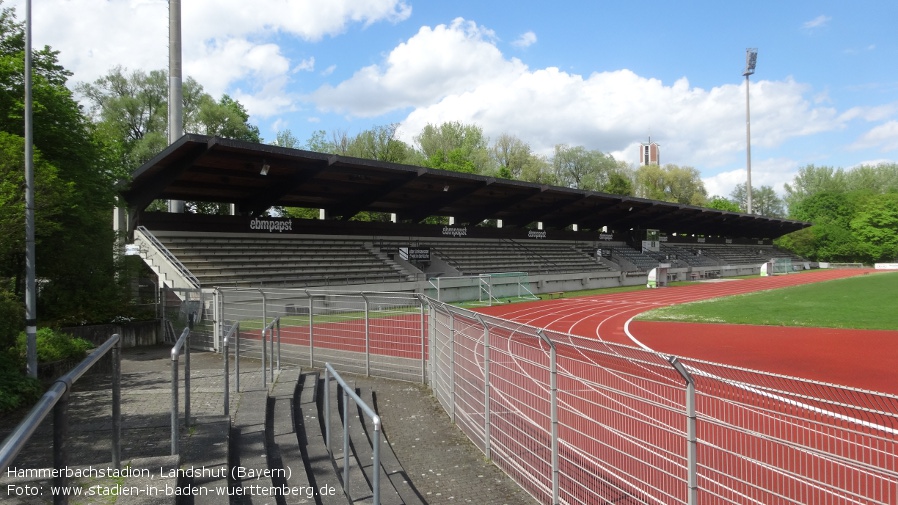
[(361, 433), (388, 459), (358, 488), (321, 471), (204, 459), (249, 461), (284, 456)]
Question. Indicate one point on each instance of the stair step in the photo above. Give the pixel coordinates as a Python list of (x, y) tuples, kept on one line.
[(160, 469), (204, 458), (362, 446), (321, 471), (388, 459), (358, 487), (250, 460), (284, 452)]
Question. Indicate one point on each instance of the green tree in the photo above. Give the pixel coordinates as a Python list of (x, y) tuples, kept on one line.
[(72, 228), (875, 224), (721, 203), (285, 138), (514, 158), (671, 183), (225, 118), (831, 237), (764, 201), (580, 168), (454, 146), (131, 109), (318, 143), (811, 180), (379, 143)]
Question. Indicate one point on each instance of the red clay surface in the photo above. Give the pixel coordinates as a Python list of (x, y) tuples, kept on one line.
[(857, 358)]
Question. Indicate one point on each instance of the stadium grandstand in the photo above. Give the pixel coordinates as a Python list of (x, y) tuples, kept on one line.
[(562, 238), (567, 418)]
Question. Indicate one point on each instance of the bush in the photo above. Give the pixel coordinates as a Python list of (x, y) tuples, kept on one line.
[(12, 318), (16, 390), (54, 346)]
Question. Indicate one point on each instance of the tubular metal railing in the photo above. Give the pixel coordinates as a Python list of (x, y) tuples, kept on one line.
[(182, 343), (56, 399), (375, 441), (271, 332), (233, 334), (171, 258)]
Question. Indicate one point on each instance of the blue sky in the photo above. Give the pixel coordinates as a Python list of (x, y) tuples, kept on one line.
[(605, 75)]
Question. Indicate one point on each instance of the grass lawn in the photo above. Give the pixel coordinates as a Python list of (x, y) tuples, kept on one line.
[(867, 302)]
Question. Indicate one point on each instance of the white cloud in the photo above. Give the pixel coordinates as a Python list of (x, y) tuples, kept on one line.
[(883, 137), (455, 72), (431, 65), (224, 42), (773, 172), (525, 40), (307, 65), (817, 22)]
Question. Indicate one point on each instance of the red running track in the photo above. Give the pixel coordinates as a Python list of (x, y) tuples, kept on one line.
[(865, 359)]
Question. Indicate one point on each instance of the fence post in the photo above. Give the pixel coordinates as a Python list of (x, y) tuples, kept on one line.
[(117, 403), (327, 411), (227, 374), (486, 387), (553, 400), (423, 337), (174, 405), (187, 373), (346, 442), (452, 365), (60, 445), (311, 331), (264, 356), (367, 337), (431, 337), (692, 442), (237, 357)]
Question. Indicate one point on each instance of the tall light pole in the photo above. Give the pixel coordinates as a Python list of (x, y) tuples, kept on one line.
[(30, 279), (751, 57)]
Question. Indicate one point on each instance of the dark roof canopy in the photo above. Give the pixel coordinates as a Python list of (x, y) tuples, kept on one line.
[(212, 169)]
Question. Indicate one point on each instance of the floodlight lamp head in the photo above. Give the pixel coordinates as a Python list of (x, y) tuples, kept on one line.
[(751, 58), (265, 168)]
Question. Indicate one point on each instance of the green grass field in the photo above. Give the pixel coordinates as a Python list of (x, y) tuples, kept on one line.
[(868, 302)]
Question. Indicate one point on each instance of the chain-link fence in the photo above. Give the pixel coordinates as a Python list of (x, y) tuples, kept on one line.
[(579, 420)]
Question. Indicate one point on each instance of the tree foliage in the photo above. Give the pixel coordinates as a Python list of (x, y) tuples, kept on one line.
[(74, 189), (721, 203), (671, 183), (131, 111), (764, 201), (852, 211), (454, 146)]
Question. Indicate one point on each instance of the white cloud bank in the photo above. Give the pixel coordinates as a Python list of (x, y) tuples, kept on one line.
[(456, 72)]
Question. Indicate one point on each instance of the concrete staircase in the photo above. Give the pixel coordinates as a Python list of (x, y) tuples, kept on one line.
[(274, 451)]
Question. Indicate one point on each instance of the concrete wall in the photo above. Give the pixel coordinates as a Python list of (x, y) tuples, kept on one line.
[(133, 334)]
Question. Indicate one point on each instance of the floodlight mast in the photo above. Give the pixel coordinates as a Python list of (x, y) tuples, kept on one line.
[(751, 58), (30, 272)]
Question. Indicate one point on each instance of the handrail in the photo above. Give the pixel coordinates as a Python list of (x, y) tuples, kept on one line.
[(234, 332), (56, 399), (375, 420), (183, 342), (268, 338), (171, 258)]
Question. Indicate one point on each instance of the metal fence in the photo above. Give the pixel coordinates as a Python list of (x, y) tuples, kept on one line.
[(368, 333), (580, 421)]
